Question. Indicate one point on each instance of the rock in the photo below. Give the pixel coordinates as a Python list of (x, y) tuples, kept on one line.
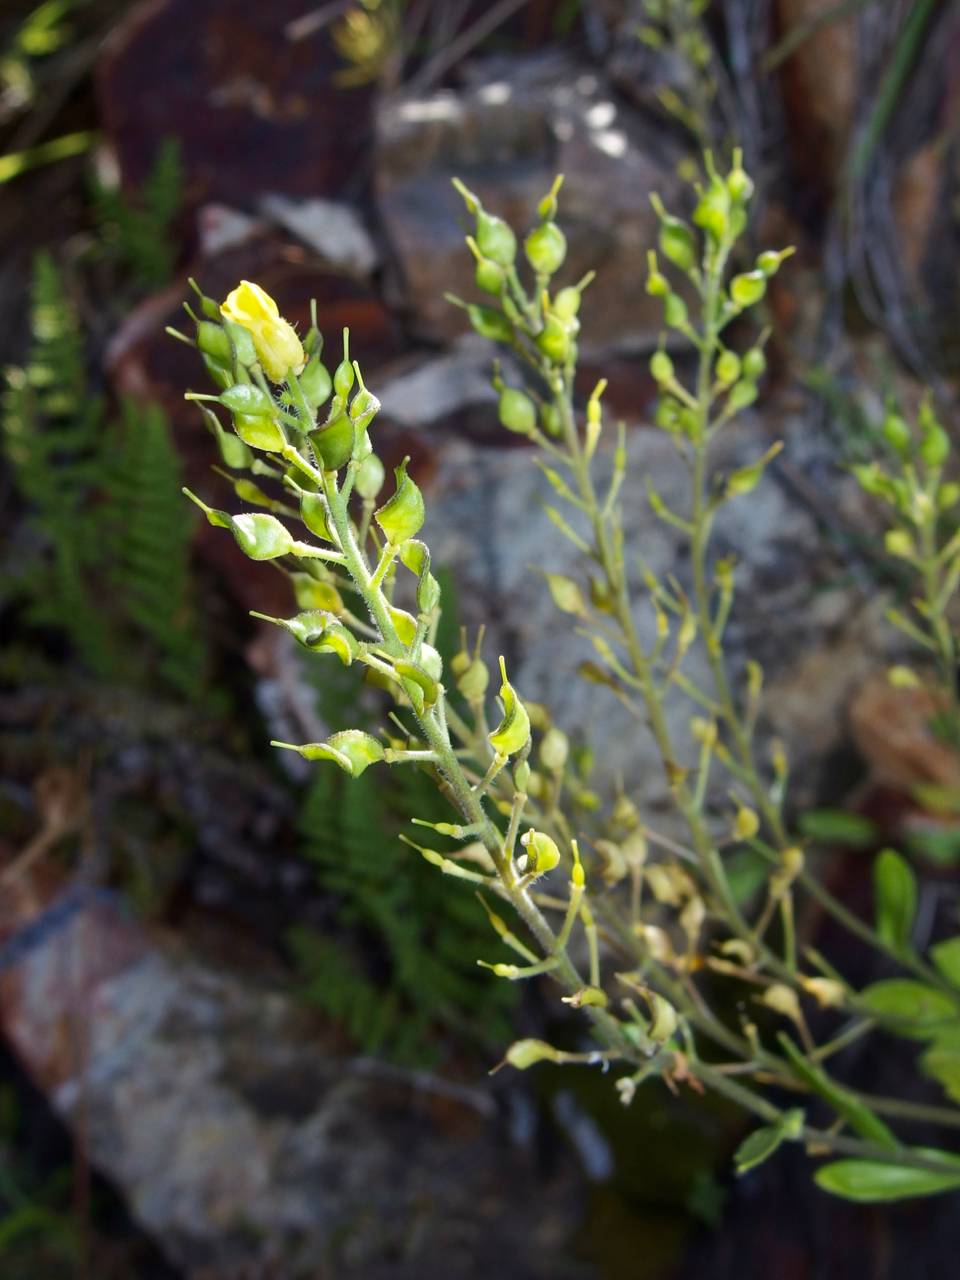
[(254, 106), (242, 1138), (507, 134), (334, 231), (817, 639)]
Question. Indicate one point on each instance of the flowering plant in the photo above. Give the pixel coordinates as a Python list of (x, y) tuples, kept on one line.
[(666, 911)]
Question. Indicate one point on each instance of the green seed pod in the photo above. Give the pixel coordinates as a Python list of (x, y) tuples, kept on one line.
[(344, 377), (657, 283), (315, 383), (554, 340), (754, 364), (897, 434), (542, 854), (554, 749), (546, 248), (713, 210), (489, 276), (748, 289), (208, 306), (934, 441), (517, 411), (402, 516), (566, 304), (661, 367), (550, 420), (259, 432), (495, 239), (314, 514), (214, 342), (245, 398), (739, 185), (311, 593), (364, 407), (472, 682), (675, 311), (743, 394), (513, 732), (431, 661), (221, 374), (333, 443), (948, 495), (769, 261), (489, 323), (727, 368), (677, 243), (370, 477)]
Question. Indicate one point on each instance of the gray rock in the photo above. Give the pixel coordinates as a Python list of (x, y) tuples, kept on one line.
[(514, 127), (246, 1142), (796, 610), (333, 230)]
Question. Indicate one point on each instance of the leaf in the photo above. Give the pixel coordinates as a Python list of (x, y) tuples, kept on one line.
[(762, 1143), (859, 1116), (895, 896), (912, 1008), (942, 1062), (874, 1181), (837, 826), (946, 956)]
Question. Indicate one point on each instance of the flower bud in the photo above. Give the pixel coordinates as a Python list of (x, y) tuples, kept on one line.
[(546, 248), (277, 345)]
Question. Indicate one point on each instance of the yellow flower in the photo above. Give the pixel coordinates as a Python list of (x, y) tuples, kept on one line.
[(274, 338)]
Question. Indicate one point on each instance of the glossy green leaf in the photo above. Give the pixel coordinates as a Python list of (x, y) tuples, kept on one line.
[(911, 1008), (946, 956), (873, 1181), (942, 1063), (895, 898), (837, 826)]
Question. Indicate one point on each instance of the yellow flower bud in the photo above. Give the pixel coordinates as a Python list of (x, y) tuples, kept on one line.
[(274, 339)]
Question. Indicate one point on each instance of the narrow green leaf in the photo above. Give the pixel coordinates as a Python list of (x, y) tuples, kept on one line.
[(895, 898), (946, 956), (874, 1181), (912, 1008)]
